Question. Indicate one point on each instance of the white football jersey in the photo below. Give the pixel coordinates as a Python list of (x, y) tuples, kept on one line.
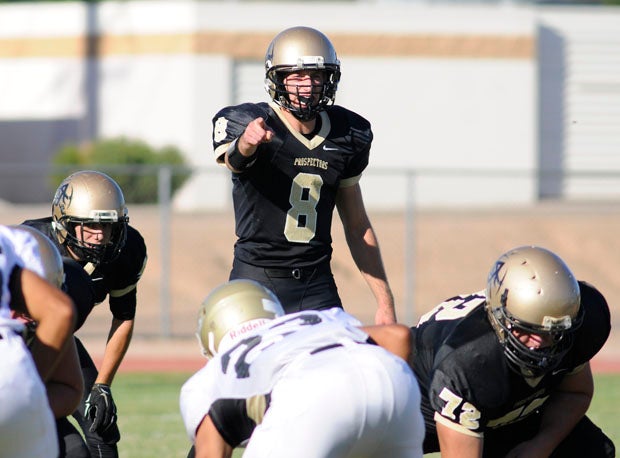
[(25, 247), (8, 262), (272, 348), (17, 248), (25, 412)]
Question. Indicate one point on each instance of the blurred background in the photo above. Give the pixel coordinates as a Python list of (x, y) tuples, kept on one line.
[(497, 123)]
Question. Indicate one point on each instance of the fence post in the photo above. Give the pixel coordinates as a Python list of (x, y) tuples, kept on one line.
[(164, 185), (410, 248)]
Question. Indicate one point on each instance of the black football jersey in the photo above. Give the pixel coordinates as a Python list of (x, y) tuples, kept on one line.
[(236, 419), (284, 202), (119, 278), (79, 288), (464, 377)]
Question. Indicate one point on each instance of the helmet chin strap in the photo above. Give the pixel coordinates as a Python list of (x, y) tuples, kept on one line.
[(303, 116), (301, 113)]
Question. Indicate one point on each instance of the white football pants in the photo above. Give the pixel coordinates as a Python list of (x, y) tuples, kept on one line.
[(353, 401), (27, 426)]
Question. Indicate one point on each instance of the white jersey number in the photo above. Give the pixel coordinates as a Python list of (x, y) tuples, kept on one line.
[(454, 308), (468, 415), (301, 219), (241, 355)]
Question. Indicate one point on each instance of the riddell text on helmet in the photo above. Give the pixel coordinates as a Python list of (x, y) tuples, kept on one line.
[(246, 327)]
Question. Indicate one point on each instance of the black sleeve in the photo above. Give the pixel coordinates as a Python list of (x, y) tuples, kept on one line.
[(230, 418), (123, 275), (18, 302), (230, 122), (596, 326), (124, 308), (77, 284), (355, 131)]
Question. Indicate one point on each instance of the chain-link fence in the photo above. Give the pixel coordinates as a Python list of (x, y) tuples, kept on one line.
[(430, 251)]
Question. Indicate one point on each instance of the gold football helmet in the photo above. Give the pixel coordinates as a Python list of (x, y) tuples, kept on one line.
[(50, 256), (231, 310), (296, 49), (530, 289), (90, 197)]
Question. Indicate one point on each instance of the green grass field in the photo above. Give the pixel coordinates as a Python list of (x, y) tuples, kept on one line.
[(151, 424)]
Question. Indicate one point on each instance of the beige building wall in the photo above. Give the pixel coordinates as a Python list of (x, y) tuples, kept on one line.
[(446, 87)]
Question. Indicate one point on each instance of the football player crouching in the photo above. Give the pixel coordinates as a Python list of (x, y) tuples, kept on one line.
[(307, 365)]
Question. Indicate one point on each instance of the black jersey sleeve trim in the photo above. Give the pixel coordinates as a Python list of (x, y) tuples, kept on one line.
[(230, 418)]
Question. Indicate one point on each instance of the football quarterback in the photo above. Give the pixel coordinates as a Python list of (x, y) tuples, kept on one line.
[(293, 161)]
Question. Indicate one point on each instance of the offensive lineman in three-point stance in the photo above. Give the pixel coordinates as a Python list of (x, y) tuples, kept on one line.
[(505, 371)]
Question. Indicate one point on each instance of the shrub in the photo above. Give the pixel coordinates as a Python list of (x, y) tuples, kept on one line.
[(133, 164)]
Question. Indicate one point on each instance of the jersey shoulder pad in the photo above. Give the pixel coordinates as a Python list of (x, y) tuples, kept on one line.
[(230, 122), (348, 123), (134, 252), (44, 225), (596, 326), (79, 288)]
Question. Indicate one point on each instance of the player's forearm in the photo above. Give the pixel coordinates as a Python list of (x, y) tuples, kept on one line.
[(209, 442), (54, 313), (237, 157), (394, 338), (47, 348), (380, 289), (563, 412), (566, 406), (367, 257), (455, 444), (364, 247), (115, 350), (386, 312), (63, 399), (66, 385)]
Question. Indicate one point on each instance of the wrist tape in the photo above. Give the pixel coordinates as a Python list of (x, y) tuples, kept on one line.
[(237, 160)]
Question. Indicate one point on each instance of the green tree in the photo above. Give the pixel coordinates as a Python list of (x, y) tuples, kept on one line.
[(133, 164)]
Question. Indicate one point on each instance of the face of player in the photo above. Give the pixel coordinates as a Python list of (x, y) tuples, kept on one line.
[(93, 234), (532, 340), (305, 87)]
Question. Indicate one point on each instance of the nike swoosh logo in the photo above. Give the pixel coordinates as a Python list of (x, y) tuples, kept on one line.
[(327, 148)]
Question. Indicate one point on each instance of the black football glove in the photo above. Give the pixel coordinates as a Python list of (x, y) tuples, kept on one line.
[(100, 408)]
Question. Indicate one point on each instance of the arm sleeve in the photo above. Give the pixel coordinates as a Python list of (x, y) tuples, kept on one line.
[(230, 123), (78, 286), (123, 289), (231, 418)]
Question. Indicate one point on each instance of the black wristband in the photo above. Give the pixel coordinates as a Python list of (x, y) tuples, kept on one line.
[(237, 160)]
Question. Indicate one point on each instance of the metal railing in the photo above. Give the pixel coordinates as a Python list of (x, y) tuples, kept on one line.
[(410, 207)]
